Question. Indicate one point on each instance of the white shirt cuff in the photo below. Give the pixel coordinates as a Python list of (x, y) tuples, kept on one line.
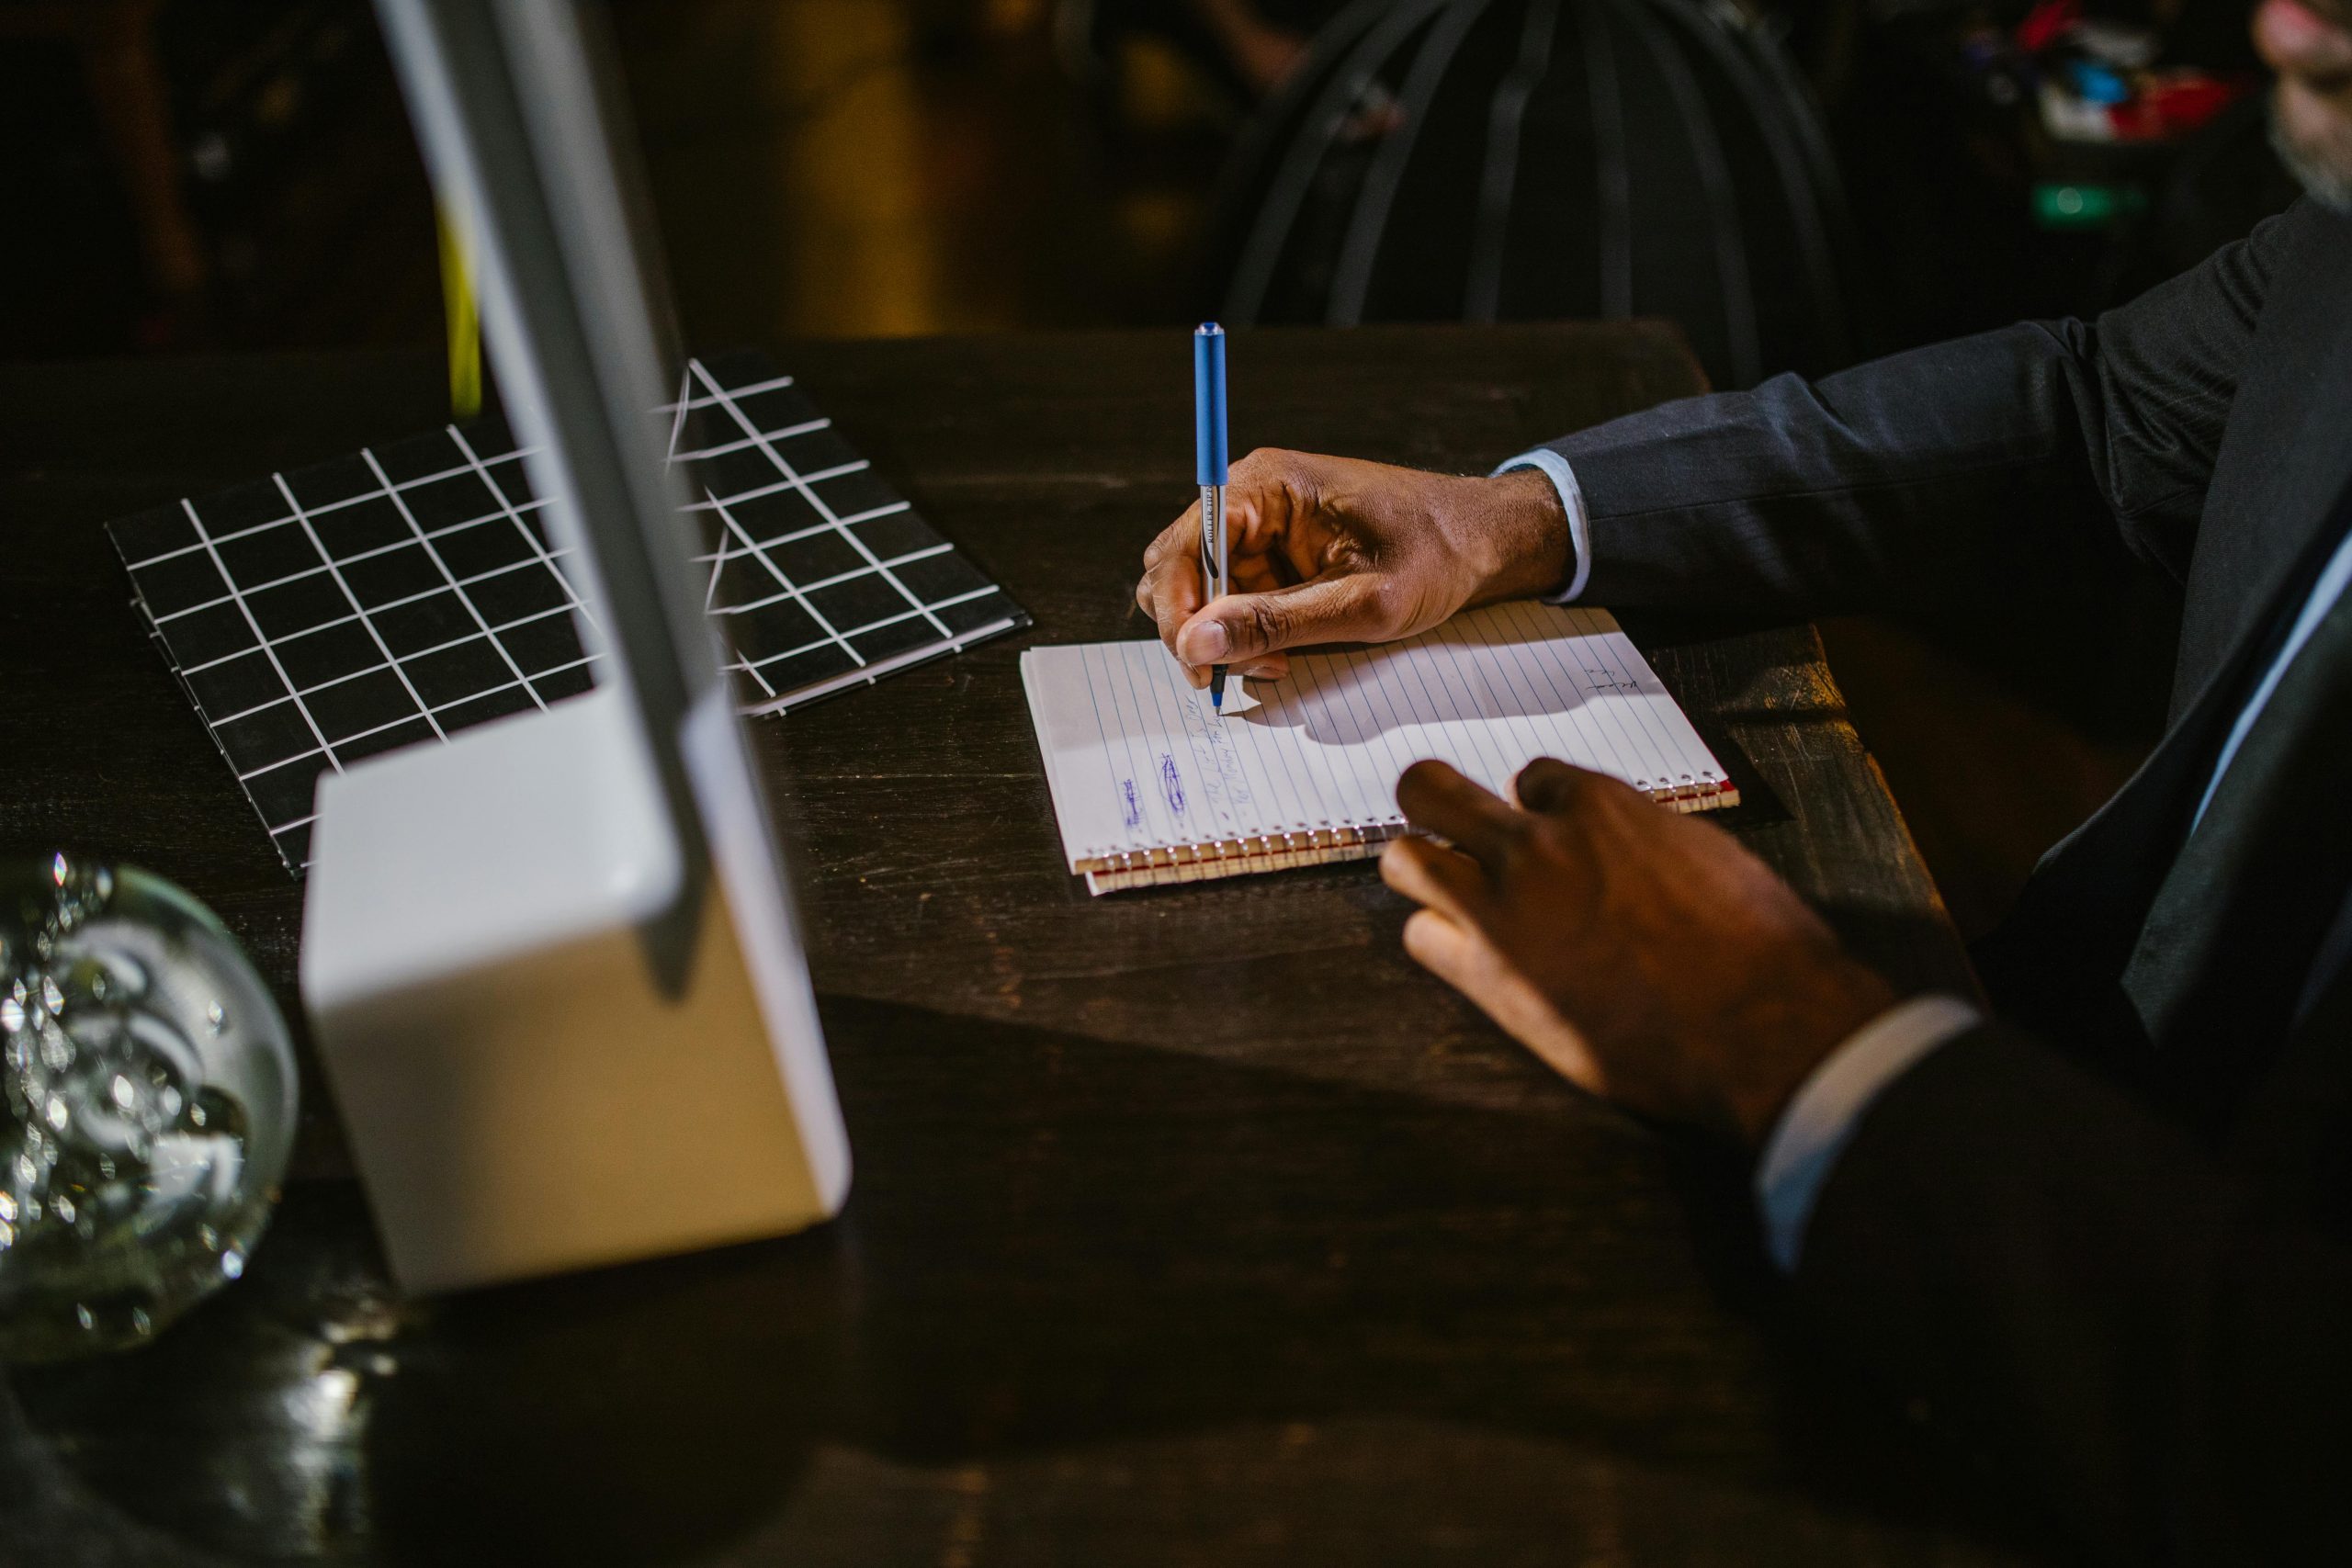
[(1820, 1121), (1564, 480)]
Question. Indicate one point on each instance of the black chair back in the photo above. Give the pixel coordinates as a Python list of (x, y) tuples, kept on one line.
[(1516, 160)]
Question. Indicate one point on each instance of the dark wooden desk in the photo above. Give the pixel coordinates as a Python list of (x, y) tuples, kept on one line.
[(1327, 1270)]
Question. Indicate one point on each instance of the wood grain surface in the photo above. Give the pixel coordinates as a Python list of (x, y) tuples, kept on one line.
[(1192, 1225)]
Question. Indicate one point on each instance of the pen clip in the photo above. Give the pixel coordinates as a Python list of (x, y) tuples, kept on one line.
[(1214, 547)]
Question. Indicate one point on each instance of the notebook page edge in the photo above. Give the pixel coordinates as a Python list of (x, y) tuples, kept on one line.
[(1032, 660)]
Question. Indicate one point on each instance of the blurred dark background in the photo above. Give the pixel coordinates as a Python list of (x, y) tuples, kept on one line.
[(232, 174), (239, 174), (1800, 183)]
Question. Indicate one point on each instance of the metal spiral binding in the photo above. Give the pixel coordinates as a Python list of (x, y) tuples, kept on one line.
[(1211, 859), (1696, 794), (1207, 860)]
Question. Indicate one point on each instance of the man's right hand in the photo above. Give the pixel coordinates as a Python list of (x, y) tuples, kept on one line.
[(1334, 549)]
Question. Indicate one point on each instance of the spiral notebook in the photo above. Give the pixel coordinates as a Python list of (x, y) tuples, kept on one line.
[(1151, 785)]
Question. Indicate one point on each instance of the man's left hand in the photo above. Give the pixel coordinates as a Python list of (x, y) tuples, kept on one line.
[(1644, 955)]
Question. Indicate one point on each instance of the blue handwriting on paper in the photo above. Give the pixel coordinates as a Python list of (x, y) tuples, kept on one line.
[(1129, 807), (1226, 787), (1172, 784)]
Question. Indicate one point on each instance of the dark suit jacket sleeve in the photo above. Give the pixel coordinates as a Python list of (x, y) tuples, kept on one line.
[(2057, 447), (2070, 1285)]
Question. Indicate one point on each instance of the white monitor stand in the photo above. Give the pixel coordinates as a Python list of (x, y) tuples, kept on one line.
[(551, 964)]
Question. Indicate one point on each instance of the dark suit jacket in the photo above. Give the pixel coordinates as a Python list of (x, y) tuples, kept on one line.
[(2112, 1253)]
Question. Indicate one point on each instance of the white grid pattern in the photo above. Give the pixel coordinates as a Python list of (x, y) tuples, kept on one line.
[(506, 654), (312, 534), (767, 447), (790, 640), (211, 548), (578, 605)]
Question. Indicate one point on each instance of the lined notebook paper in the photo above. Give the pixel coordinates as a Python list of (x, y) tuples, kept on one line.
[(1151, 785)]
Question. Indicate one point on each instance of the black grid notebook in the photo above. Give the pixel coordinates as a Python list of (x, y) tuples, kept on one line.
[(400, 594)]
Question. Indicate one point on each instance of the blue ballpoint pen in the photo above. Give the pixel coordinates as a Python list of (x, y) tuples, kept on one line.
[(1208, 451)]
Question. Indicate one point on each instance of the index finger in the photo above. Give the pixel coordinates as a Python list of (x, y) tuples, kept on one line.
[(1172, 574), (1435, 797)]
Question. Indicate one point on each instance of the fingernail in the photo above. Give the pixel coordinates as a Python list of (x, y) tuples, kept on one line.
[(1206, 643)]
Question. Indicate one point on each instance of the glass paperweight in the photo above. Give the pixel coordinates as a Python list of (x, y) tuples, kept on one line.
[(149, 1106)]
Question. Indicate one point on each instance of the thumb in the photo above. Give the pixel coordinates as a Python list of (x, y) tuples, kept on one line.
[(1245, 625)]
